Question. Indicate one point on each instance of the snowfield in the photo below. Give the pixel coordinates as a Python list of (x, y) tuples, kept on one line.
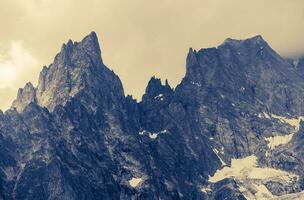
[(277, 140), (251, 177)]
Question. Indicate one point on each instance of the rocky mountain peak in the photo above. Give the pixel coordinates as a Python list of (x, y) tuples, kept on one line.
[(78, 67), (67, 46), (29, 86), (250, 51), (73, 51), (25, 96), (155, 88), (254, 46), (252, 66), (90, 43), (191, 58), (255, 40)]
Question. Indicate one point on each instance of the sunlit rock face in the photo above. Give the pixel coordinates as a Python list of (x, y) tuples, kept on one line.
[(234, 118), (25, 96), (78, 68)]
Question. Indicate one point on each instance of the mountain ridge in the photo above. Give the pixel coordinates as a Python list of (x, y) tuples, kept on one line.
[(78, 136), (93, 41), (90, 42)]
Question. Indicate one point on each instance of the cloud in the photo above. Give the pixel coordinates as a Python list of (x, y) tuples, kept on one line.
[(17, 66), (6, 97)]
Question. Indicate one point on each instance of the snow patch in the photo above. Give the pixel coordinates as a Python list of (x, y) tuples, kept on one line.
[(134, 182), (296, 62), (251, 177), (206, 189), (152, 135), (264, 115), (142, 132), (278, 140), (295, 122), (275, 141), (246, 168), (159, 97), (194, 83), (164, 131), (222, 150)]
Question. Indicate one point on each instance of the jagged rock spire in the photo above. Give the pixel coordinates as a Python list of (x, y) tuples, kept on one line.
[(191, 58), (25, 96), (155, 88), (91, 44)]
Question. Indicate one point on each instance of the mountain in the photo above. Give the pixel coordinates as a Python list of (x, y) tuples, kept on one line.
[(230, 130)]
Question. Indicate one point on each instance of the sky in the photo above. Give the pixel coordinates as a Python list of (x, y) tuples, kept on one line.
[(138, 38)]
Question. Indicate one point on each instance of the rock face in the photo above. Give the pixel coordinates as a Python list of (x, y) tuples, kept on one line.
[(25, 96), (77, 136), (78, 68)]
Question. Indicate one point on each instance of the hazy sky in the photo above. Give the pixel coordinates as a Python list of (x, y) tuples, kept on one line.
[(139, 38)]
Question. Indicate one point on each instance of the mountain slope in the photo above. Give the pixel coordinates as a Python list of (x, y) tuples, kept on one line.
[(77, 136)]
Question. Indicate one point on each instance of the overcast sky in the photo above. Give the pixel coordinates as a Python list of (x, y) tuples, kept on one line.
[(139, 38)]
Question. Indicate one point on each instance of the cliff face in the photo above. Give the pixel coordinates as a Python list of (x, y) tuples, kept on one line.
[(231, 84), (76, 135)]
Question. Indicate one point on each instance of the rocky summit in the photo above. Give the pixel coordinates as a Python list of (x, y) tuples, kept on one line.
[(230, 130)]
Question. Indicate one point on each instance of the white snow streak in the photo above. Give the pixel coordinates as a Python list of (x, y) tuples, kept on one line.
[(152, 135), (217, 153)]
